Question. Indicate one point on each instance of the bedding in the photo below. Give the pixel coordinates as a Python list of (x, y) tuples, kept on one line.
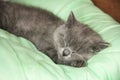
[(20, 60)]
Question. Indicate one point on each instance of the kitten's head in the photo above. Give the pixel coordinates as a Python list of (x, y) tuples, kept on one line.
[(76, 43)]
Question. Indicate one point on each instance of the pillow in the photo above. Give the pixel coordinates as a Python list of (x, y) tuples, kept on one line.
[(20, 60)]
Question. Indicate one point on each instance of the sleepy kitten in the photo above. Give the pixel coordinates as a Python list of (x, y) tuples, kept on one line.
[(69, 43)]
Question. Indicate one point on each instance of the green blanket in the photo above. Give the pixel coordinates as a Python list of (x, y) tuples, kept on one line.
[(20, 60)]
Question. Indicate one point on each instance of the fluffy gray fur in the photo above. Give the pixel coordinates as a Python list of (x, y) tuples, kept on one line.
[(69, 43)]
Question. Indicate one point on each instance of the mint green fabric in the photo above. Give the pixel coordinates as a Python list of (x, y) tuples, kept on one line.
[(20, 60)]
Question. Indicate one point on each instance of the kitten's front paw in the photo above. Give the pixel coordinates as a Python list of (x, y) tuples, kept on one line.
[(78, 63)]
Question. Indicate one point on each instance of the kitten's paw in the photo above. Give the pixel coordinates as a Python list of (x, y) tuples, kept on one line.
[(78, 64)]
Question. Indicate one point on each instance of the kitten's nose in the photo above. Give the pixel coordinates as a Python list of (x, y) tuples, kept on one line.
[(66, 52)]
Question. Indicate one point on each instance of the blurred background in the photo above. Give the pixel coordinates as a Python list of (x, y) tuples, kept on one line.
[(111, 7)]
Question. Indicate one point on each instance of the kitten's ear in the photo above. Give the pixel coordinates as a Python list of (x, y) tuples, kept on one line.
[(99, 46), (71, 20)]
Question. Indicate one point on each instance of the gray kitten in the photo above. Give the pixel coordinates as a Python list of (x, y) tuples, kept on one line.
[(70, 43)]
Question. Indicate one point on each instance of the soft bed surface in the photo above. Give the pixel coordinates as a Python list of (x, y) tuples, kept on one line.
[(20, 60)]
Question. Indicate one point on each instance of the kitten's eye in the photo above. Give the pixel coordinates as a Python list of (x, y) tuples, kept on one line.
[(66, 52)]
